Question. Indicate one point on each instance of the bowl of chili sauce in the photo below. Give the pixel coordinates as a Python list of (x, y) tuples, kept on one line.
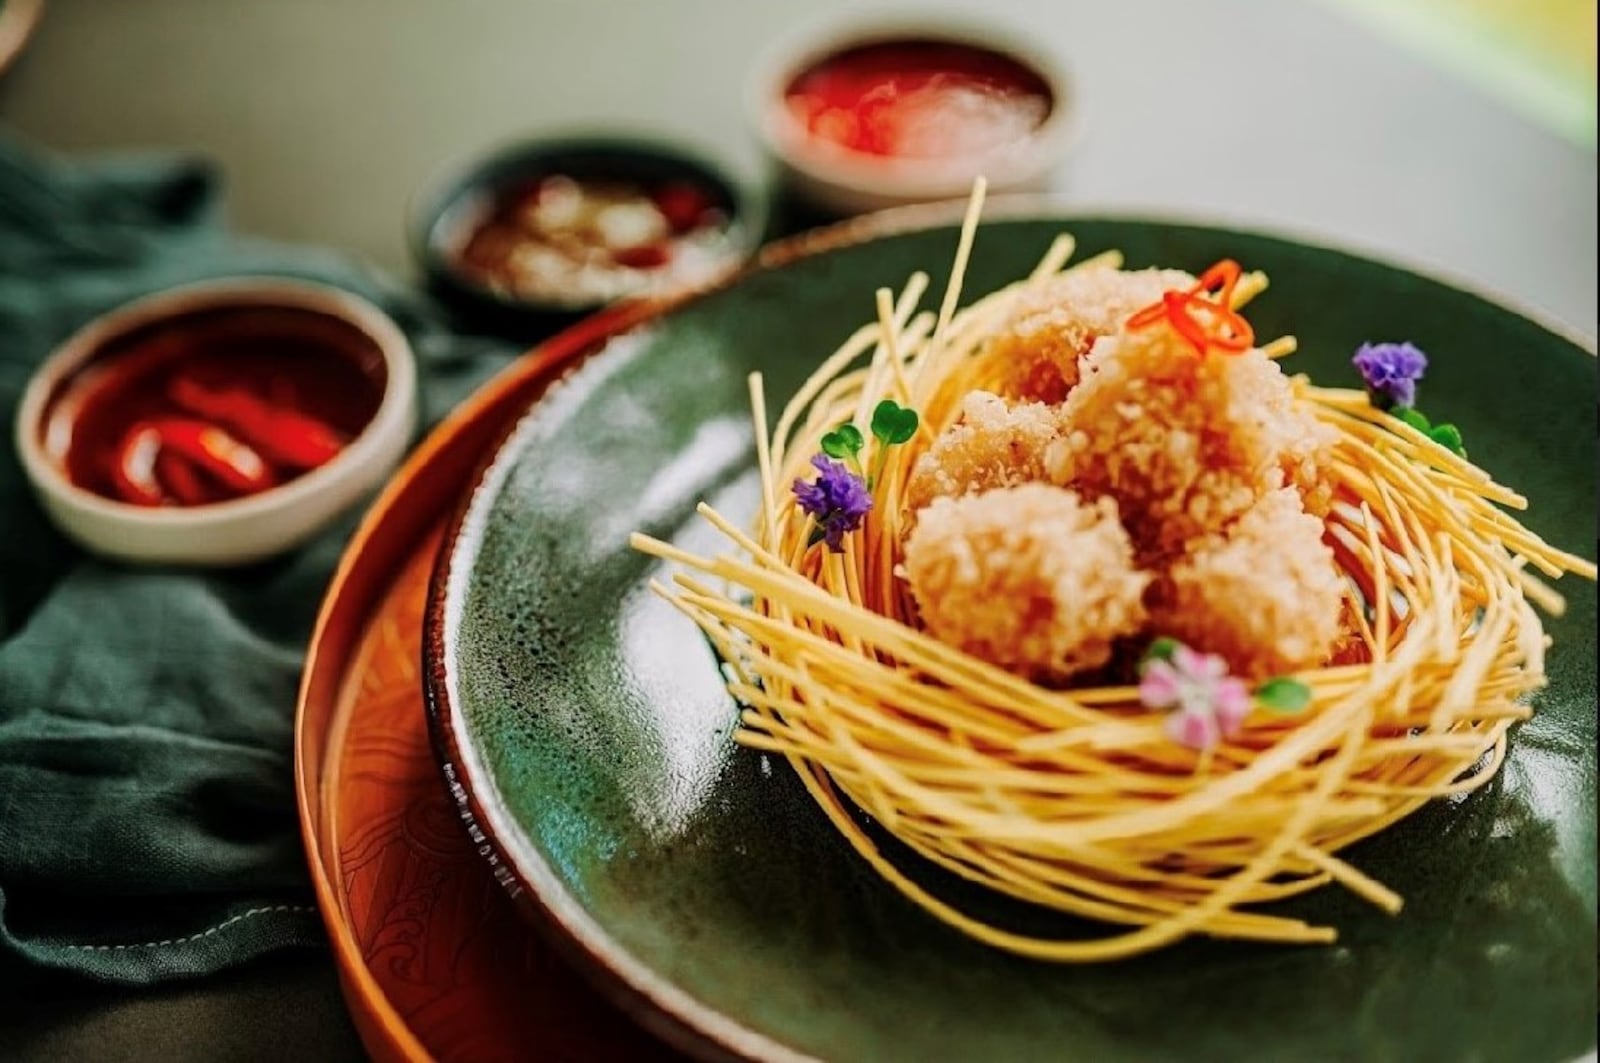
[(217, 423), (873, 115), (543, 231)]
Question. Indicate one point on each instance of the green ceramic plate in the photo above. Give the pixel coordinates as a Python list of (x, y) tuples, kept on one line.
[(584, 730)]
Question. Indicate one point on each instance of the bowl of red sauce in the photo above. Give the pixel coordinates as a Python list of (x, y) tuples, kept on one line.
[(547, 230), (874, 115), (218, 423)]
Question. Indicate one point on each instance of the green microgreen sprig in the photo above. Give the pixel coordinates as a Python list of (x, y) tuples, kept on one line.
[(1283, 695), (892, 424), (845, 443), (840, 497), (1161, 648), (1446, 435)]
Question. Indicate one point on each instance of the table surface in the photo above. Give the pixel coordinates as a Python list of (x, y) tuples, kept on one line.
[(327, 117)]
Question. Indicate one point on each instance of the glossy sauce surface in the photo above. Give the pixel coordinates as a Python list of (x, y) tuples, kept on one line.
[(919, 99), (214, 405), (561, 238)]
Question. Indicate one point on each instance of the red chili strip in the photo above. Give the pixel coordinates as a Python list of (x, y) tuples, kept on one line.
[(183, 481), (284, 437), (683, 205), (235, 465), (646, 256), (133, 467)]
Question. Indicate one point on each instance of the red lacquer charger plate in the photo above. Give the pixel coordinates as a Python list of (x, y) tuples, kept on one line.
[(433, 958)]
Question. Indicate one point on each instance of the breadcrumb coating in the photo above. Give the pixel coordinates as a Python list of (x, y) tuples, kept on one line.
[(1185, 444), (1142, 489), (1031, 578), (1267, 595), (1054, 325), (990, 444)]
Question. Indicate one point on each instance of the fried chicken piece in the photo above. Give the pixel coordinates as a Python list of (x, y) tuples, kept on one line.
[(990, 444), (1054, 325), (1266, 595), (1185, 444), (1030, 578)]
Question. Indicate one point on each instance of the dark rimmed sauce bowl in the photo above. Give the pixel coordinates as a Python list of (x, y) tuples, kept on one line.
[(540, 233)]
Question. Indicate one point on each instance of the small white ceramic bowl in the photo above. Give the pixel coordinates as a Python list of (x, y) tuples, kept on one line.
[(241, 530), (840, 180)]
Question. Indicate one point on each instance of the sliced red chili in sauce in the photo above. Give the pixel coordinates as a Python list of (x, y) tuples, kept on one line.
[(685, 206), (283, 436), (183, 481), (219, 454), (234, 402), (645, 256), (919, 99), (133, 467)]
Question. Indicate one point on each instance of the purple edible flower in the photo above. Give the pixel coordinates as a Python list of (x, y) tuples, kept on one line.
[(838, 500), (1205, 703), (1391, 371)]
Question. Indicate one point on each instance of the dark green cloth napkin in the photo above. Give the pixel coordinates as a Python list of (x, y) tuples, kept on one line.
[(147, 815)]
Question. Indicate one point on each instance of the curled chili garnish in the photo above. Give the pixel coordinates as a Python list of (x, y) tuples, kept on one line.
[(283, 436), (1203, 315), (1175, 305), (1221, 279)]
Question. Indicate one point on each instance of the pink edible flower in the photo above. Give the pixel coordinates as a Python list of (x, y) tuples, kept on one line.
[(1204, 703)]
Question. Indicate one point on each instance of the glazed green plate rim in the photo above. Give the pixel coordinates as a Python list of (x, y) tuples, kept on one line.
[(659, 1004)]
